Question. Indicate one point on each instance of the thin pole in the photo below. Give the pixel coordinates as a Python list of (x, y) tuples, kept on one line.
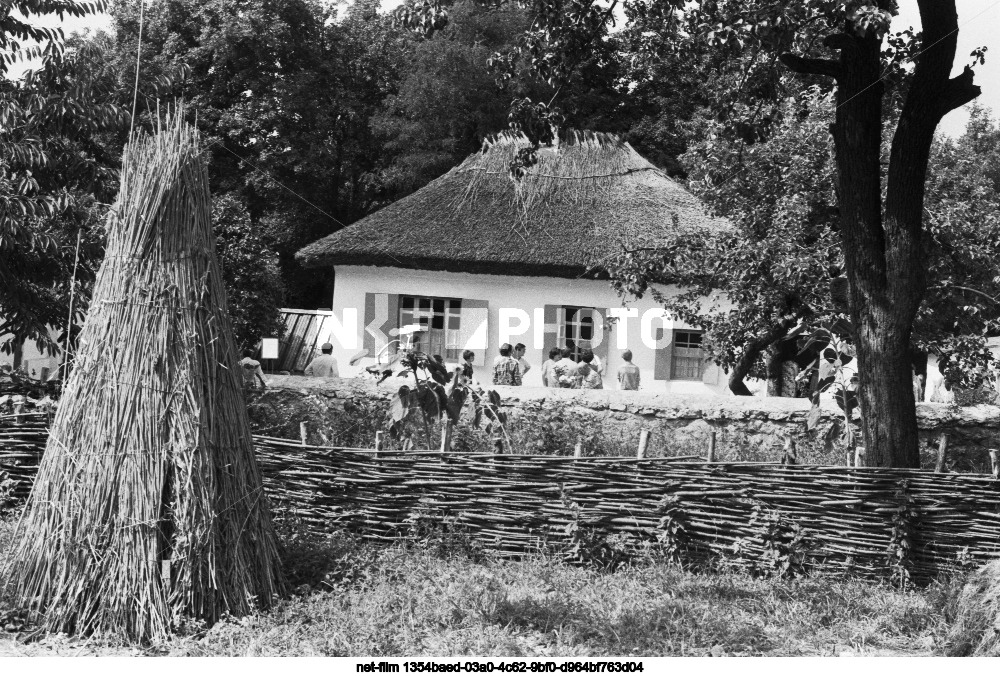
[(69, 318), (942, 451), (138, 52), (643, 444)]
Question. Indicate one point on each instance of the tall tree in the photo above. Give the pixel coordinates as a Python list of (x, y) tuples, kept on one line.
[(55, 172), (285, 94)]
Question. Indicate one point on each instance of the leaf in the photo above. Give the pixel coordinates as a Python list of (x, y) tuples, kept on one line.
[(813, 417), (397, 407), (455, 403), (847, 401)]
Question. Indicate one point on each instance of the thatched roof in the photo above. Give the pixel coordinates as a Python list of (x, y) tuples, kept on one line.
[(586, 197)]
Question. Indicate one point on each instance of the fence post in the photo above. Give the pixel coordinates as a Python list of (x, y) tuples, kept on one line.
[(379, 442), (859, 456), (711, 446), (578, 449), (446, 436), (303, 433), (643, 444), (942, 450), (995, 462)]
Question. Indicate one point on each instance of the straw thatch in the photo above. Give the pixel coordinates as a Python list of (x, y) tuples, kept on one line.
[(591, 194), (148, 504)]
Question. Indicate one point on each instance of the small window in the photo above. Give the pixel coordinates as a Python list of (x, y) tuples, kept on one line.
[(441, 319), (687, 359), (578, 329)]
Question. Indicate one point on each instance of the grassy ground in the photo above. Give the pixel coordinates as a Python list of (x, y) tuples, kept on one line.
[(353, 599)]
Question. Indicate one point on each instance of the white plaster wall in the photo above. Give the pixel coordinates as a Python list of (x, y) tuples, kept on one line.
[(526, 293), (934, 390), (33, 360)]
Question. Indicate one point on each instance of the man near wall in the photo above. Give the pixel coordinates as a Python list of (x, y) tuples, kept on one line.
[(521, 361), (324, 366)]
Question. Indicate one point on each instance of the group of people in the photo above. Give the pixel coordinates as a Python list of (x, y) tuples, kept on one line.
[(560, 369), (509, 368)]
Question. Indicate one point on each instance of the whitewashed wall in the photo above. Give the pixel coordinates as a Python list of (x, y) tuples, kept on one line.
[(526, 293), (32, 360)]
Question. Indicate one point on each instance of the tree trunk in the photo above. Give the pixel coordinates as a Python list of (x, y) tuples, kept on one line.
[(885, 257), (752, 352), (774, 371)]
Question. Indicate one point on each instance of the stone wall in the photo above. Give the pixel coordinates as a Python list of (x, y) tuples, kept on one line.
[(608, 422)]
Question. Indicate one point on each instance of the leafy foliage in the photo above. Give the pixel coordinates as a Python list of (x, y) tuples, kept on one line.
[(249, 271), (55, 177)]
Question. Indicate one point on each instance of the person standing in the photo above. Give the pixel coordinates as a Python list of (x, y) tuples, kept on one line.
[(521, 361), (324, 366), (628, 373), (595, 361), (565, 369), (468, 377), (252, 372), (506, 370), (591, 377), (549, 378)]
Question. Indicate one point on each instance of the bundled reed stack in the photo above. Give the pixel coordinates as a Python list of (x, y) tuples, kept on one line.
[(148, 504)]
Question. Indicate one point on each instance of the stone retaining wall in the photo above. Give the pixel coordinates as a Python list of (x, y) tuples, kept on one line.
[(608, 422)]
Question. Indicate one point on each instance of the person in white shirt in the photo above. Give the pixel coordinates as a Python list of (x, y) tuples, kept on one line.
[(324, 366), (521, 361)]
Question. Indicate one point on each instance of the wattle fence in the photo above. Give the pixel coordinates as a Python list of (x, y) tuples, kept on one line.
[(761, 517)]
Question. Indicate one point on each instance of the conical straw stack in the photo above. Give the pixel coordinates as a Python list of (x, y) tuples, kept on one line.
[(148, 505)]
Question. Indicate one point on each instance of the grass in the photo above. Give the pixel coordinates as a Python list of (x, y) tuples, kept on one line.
[(441, 599)]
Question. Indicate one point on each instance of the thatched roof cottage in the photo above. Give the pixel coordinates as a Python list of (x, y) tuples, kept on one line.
[(479, 259)]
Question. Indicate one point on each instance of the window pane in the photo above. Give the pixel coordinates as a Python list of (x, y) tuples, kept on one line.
[(437, 322), (438, 305), (425, 303), (453, 322)]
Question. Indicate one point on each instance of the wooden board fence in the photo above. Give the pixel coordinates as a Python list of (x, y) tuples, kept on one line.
[(871, 522)]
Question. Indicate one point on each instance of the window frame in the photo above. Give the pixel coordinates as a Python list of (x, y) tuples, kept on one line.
[(566, 323), (451, 309), (677, 367)]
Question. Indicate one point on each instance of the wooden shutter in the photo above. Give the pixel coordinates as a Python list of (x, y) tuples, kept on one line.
[(474, 327), (603, 349), (381, 317), (663, 355)]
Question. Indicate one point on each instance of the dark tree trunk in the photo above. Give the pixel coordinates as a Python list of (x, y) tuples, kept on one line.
[(885, 255), (752, 352), (774, 371)]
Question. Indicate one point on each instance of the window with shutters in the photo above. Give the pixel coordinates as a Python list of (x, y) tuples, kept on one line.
[(687, 359), (578, 329), (441, 320)]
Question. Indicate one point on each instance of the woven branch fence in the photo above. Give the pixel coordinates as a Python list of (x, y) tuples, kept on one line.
[(769, 518)]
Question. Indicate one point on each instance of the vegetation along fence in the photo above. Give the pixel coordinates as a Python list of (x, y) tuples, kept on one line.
[(902, 524)]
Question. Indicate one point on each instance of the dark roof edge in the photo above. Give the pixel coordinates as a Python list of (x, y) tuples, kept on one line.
[(507, 269)]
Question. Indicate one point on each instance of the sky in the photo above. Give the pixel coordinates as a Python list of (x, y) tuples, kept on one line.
[(979, 25)]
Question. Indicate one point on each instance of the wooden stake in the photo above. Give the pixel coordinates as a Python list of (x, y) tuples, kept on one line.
[(995, 461), (711, 446), (303, 433), (379, 442), (446, 436), (859, 456), (942, 450), (643, 444), (578, 449)]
